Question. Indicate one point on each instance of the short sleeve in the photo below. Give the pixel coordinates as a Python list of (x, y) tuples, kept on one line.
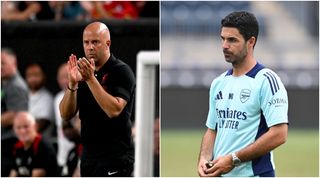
[(212, 116), (274, 99), (16, 99), (124, 83)]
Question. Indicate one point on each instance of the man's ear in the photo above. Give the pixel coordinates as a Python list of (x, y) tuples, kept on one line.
[(252, 41), (108, 43)]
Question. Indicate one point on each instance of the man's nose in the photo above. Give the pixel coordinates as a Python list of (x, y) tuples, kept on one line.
[(225, 45), (91, 46)]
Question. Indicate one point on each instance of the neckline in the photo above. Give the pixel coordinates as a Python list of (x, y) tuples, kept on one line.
[(251, 73)]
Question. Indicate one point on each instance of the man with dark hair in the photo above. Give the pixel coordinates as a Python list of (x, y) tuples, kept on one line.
[(101, 87), (245, 22), (40, 100), (248, 108)]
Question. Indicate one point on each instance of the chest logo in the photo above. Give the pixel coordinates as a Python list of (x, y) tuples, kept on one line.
[(104, 78), (104, 81), (218, 96), (244, 95)]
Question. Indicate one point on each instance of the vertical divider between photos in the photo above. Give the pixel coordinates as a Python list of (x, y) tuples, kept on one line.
[(145, 112)]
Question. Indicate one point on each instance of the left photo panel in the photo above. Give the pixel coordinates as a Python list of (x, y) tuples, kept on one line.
[(80, 88)]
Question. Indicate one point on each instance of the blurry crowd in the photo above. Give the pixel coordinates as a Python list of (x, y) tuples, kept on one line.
[(76, 10), (29, 112), (33, 135)]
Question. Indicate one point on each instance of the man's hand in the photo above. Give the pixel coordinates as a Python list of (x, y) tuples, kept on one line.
[(73, 72), (206, 151), (221, 165), (86, 68), (202, 167)]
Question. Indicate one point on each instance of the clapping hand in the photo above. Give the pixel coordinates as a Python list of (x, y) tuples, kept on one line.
[(86, 68), (73, 72)]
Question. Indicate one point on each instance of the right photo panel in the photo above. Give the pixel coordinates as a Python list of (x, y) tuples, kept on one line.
[(239, 88)]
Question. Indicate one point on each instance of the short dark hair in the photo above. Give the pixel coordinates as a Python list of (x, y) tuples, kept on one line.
[(245, 22)]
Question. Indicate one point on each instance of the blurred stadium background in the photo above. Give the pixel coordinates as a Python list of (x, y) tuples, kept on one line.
[(191, 57), (49, 38)]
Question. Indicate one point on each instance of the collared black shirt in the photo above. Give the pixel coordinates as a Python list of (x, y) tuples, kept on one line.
[(104, 138)]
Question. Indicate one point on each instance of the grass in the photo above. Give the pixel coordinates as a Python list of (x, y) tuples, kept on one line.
[(298, 157)]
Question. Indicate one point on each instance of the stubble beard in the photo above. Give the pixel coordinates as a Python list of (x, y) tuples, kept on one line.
[(236, 59)]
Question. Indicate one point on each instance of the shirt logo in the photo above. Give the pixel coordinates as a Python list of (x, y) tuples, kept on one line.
[(230, 96), (219, 96), (111, 173), (244, 95), (277, 102), (104, 80)]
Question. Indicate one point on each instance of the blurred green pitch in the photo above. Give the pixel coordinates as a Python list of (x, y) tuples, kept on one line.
[(299, 156)]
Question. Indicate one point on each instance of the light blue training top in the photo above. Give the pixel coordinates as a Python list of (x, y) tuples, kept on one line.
[(243, 108)]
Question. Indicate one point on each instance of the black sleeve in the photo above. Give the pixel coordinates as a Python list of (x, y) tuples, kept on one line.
[(124, 84)]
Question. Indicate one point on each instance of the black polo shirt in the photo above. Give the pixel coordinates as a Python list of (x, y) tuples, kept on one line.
[(104, 138)]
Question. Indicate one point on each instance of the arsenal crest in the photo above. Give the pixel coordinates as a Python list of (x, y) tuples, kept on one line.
[(244, 95)]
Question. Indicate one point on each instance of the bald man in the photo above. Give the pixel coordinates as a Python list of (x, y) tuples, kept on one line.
[(101, 87), (33, 155)]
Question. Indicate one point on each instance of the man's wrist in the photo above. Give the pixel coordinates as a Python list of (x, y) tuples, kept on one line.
[(72, 88), (73, 85), (206, 158), (235, 160), (91, 79)]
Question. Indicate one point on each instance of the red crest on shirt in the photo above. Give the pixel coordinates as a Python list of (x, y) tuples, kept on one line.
[(103, 82), (104, 78)]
